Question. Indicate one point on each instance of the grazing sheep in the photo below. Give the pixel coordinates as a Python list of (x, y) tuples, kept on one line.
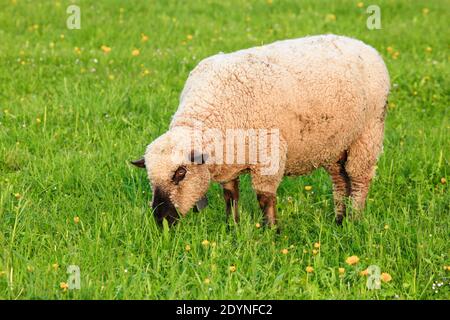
[(318, 101)]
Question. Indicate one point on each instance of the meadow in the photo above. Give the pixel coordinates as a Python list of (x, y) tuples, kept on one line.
[(76, 105)]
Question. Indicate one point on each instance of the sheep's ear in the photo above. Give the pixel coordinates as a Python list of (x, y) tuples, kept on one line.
[(198, 158), (139, 163)]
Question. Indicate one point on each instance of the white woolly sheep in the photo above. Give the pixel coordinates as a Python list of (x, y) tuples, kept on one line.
[(317, 101)]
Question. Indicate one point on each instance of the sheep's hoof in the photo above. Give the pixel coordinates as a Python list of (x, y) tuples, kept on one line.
[(339, 219)]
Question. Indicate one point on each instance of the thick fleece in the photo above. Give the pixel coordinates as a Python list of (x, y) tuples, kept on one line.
[(326, 94)]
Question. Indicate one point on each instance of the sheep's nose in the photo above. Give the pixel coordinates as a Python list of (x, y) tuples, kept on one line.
[(163, 208)]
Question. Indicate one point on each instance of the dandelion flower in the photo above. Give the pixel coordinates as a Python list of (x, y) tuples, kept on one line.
[(390, 49), (38, 120), (187, 248), (315, 251), (386, 227), (189, 37), (425, 11), (341, 270), (352, 260), (386, 277), (106, 49), (205, 243), (135, 52), (232, 268), (308, 188), (55, 266), (330, 17), (17, 196), (285, 251), (64, 286), (317, 245), (443, 180), (207, 281), (428, 49), (144, 38), (364, 272), (360, 4), (76, 219), (257, 225), (309, 269)]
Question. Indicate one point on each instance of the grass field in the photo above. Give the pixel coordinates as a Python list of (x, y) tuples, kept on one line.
[(77, 105)]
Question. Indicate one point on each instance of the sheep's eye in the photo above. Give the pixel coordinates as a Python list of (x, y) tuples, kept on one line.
[(179, 175)]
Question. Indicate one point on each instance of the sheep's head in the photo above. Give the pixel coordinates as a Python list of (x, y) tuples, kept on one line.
[(177, 173)]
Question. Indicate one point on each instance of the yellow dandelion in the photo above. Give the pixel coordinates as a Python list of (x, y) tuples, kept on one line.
[(443, 180), (135, 52), (385, 277), (146, 72), (144, 38), (360, 4), (55, 266), (205, 243), (309, 269), (352, 260), (257, 225), (428, 49), (330, 17), (213, 244), (189, 37), (364, 273), (207, 281), (390, 49), (341, 270), (425, 11), (315, 251), (38, 120), (187, 248), (386, 227), (232, 268), (111, 77), (77, 50), (305, 251), (17, 196), (317, 245), (64, 286), (269, 2), (308, 188), (285, 251), (76, 219), (106, 49)]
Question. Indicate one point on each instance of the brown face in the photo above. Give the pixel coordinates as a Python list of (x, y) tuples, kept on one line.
[(176, 187)]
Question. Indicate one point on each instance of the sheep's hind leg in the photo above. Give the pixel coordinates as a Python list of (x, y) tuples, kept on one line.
[(231, 196), (341, 186), (361, 163)]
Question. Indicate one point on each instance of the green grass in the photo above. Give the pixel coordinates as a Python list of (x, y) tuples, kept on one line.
[(97, 111)]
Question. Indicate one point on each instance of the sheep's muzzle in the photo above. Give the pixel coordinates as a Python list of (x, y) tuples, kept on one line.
[(163, 208)]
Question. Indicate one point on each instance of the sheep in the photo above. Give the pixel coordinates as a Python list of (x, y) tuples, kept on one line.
[(317, 101)]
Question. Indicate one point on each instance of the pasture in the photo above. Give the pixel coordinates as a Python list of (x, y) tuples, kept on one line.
[(76, 105)]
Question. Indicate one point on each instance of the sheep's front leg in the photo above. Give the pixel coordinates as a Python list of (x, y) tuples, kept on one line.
[(268, 204), (231, 195)]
